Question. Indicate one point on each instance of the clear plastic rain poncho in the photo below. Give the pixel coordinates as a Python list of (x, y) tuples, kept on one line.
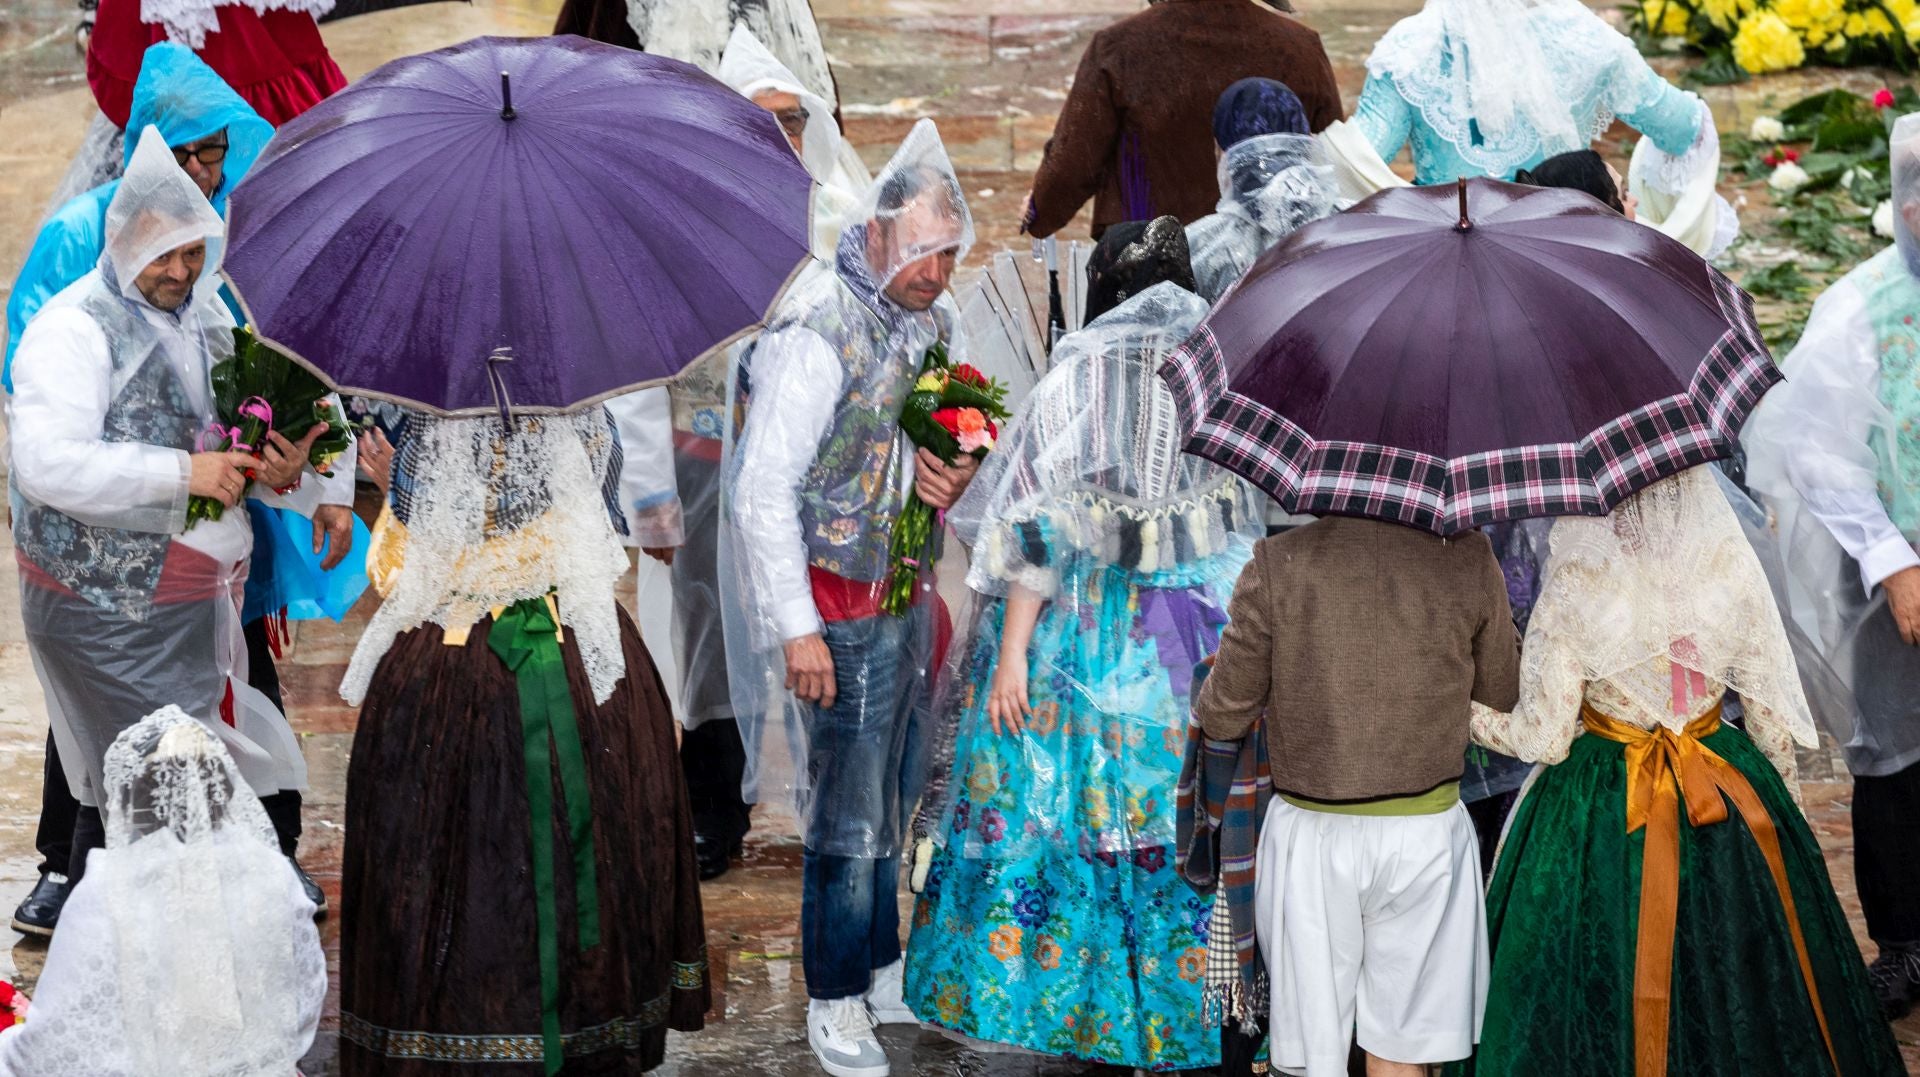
[(1131, 549), (1834, 456), (749, 68), (812, 486), (699, 394), (1661, 603), (1270, 185), (484, 516), (125, 606), (179, 94), (189, 947), (1006, 333)]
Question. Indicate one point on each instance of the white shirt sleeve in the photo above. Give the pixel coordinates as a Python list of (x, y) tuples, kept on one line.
[(1834, 368), (649, 493), (797, 381), (63, 384)]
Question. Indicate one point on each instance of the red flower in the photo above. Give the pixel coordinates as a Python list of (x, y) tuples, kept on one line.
[(1792, 155), (949, 420), (993, 430), (1772, 160), (1883, 98), (965, 374)]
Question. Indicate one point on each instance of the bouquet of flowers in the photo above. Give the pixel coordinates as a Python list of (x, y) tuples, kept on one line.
[(951, 411), (260, 390)]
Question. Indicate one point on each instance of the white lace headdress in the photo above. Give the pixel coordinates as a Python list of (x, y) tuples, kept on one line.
[(1500, 79), (1669, 574), (213, 959), (494, 516)]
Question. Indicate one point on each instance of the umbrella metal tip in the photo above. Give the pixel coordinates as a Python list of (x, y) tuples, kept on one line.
[(1466, 223), (506, 96)]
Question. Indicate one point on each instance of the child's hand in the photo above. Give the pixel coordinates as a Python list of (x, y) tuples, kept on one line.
[(1007, 705)]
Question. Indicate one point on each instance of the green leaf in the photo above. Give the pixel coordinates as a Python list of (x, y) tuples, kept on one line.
[(1780, 281)]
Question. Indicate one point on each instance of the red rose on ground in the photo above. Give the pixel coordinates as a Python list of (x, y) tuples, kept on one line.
[(1883, 98)]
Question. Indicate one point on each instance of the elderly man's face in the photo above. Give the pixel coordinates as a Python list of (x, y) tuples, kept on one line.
[(168, 280), (792, 114), (204, 161), (925, 223)]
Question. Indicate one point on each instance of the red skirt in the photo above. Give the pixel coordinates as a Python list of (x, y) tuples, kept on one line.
[(276, 61)]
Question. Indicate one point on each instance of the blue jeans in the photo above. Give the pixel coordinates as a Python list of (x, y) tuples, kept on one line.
[(863, 764)]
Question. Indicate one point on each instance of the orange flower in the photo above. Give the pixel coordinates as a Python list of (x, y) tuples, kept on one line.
[(1004, 943), (1047, 953), (971, 421), (1192, 964)]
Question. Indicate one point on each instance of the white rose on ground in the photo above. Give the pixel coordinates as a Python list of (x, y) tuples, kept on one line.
[(1883, 220), (1788, 178), (1768, 129)]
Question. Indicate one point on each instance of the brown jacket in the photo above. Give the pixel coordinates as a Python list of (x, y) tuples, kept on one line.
[(1364, 642), (1141, 107)]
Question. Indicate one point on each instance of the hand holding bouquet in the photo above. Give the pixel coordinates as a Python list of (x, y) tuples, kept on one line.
[(258, 392), (950, 413)]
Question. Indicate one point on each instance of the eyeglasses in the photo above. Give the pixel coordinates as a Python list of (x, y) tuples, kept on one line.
[(793, 121), (210, 154)]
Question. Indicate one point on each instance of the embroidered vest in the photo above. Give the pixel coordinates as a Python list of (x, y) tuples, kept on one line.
[(108, 567), (1893, 304), (851, 495)]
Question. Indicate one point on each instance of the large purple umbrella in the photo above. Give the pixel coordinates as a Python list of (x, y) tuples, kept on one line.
[(1548, 359), (414, 238)]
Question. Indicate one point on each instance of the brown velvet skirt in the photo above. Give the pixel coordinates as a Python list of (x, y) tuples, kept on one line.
[(440, 968)]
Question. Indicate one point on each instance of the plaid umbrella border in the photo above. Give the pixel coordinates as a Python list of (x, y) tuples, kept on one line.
[(1588, 477)]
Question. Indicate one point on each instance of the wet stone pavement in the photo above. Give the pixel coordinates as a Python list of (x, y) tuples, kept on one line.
[(993, 73)]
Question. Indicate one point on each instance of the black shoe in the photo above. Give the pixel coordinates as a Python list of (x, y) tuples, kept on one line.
[(313, 891), (713, 856), (1895, 976), (40, 912)]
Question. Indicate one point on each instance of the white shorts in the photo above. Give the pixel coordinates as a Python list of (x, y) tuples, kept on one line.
[(1374, 926)]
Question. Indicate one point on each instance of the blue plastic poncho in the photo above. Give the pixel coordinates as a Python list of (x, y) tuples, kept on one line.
[(178, 93)]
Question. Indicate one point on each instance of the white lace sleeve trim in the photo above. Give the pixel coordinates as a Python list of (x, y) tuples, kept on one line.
[(188, 22)]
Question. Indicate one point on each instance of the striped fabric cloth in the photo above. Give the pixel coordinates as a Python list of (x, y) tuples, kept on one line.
[(1220, 804)]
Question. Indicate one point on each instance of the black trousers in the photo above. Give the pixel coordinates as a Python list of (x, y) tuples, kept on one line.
[(714, 761), (68, 830), (1886, 854)]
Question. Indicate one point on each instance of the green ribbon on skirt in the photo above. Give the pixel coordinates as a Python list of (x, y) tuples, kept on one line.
[(526, 637)]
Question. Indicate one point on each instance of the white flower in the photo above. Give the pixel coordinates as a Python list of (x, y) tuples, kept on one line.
[(1883, 220), (1851, 174), (1788, 178), (1768, 129)]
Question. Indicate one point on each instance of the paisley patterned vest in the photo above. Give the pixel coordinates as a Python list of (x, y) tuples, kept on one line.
[(108, 567), (1893, 304), (852, 494)]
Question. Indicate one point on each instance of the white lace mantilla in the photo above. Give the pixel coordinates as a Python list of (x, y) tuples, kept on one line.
[(1547, 58), (462, 560)]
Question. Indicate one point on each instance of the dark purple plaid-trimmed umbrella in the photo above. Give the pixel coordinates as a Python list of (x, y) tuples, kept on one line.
[(1549, 359), (415, 238)]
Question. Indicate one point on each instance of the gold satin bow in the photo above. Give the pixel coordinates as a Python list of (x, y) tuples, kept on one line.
[(1664, 767)]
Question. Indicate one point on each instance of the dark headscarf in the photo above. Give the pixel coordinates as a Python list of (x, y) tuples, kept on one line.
[(1580, 170), (1257, 107), (1134, 256)]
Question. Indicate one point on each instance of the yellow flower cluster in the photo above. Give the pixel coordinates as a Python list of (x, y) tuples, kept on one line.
[(1766, 43), (1778, 35)]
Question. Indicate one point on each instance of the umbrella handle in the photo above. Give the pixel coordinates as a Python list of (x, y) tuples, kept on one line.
[(1465, 225), (502, 354)]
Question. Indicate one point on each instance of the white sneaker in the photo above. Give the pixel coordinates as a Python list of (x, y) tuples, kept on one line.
[(886, 999), (840, 1031)]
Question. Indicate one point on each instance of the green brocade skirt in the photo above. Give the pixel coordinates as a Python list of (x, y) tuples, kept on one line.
[(1563, 917)]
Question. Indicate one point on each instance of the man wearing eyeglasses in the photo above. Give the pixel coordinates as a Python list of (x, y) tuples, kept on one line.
[(215, 137)]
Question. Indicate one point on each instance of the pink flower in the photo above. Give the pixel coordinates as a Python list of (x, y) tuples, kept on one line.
[(1883, 98), (975, 440)]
